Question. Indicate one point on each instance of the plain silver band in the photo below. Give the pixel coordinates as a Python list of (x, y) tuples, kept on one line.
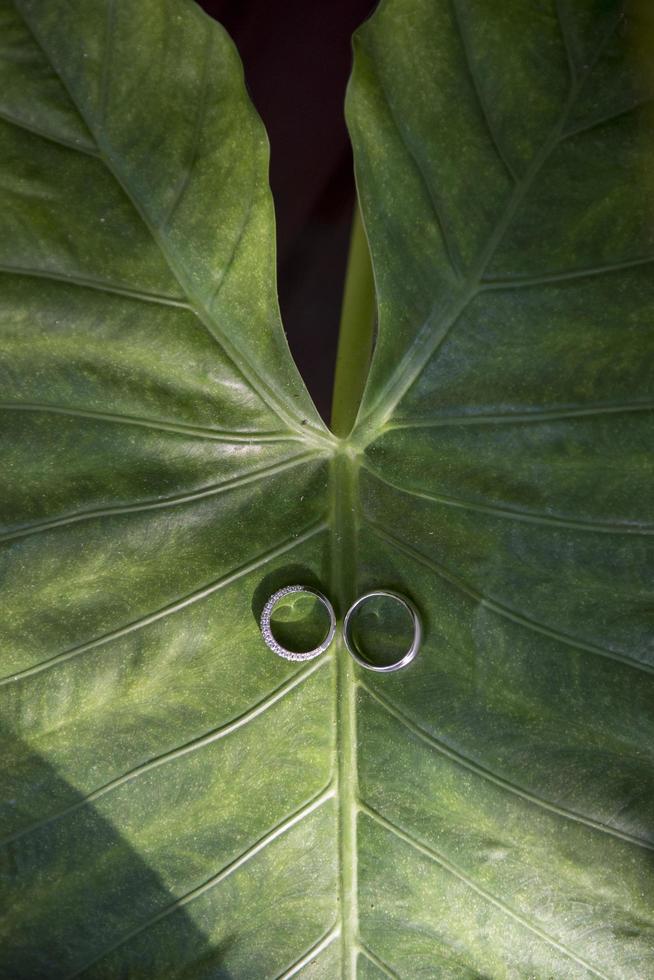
[(266, 629), (417, 632)]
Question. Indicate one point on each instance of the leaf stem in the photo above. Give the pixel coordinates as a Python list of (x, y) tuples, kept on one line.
[(356, 331)]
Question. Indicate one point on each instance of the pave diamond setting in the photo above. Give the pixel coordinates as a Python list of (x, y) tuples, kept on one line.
[(266, 629)]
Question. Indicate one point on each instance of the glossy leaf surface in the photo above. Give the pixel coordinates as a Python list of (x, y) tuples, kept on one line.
[(180, 802)]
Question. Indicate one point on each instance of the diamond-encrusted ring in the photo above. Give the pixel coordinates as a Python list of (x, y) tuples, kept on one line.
[(407, 657), (266, 630)]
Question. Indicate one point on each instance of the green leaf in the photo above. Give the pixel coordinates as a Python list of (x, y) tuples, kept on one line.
[(160, 459), (177, 801)]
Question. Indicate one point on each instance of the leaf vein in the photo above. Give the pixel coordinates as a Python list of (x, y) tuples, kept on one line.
[(185, 179), (329, 937), (375, 960), (59, 140), (599, 121), (466, 763), (447, 237), (98, 285), (602, 527), (458, 872), (518, 418), (281, 828), (170, 609), (567, 42), (505, 611), (178, 752), (477, 88), (197, 431), (556, 277), (162, 503), (107, 60)]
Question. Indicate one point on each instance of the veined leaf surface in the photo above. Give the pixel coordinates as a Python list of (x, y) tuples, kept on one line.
[(177, 801)]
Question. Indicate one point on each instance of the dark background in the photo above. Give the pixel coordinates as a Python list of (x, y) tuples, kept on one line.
[(297, 59)]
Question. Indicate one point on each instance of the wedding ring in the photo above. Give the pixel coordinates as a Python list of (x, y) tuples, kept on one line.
[(266, 629), (407, 657)]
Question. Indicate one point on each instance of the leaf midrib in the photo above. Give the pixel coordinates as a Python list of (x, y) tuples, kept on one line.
[(344, 539)]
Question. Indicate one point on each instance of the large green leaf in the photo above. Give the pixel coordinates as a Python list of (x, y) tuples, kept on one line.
[(178, 802)]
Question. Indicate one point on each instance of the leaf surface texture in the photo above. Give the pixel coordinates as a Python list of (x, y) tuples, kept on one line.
[(178, 801)]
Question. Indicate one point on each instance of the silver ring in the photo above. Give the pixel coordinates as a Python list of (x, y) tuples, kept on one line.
[(417, 632), (266, 630)]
